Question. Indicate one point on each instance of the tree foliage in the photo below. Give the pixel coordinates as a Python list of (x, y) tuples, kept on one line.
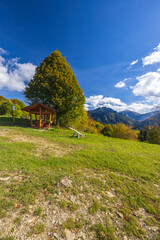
[(55, 84), (6, 108), (2, 99)]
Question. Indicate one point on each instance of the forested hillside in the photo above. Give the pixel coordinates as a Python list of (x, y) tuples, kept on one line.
[(109, 116)]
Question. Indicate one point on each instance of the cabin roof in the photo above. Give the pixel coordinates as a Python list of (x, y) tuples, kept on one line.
[(37, 106)]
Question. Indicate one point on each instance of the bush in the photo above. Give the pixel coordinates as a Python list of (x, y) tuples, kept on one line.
[(143, 135), (150, 134), (93, 126), (82, 123), (120, 131), (108, 130)]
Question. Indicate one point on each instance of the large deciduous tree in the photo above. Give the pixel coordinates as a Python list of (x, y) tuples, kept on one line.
[(55, 84)]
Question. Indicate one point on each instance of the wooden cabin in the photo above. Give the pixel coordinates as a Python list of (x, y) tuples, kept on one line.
[(43, 115)]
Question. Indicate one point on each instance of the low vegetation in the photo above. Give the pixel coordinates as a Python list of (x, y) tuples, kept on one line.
[(150, 134), (97, 187), (120, 131)]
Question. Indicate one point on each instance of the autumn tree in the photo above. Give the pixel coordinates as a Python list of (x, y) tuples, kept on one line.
[(6, 108), (55, 84)]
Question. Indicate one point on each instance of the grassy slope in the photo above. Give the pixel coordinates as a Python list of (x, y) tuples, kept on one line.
[(96, 165)]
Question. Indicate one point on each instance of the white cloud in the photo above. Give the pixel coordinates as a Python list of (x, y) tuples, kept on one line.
[(120, 84), (153, 57), (2, 59), (148, 85), (13, 74), (133, 63), (140, 107), (2, 51), (100, 101), (153, 99), (116, 104)]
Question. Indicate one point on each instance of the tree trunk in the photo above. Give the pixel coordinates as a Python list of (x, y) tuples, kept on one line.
[(57, 120)]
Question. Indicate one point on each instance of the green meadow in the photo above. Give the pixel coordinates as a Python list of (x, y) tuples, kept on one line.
[(108, 188)]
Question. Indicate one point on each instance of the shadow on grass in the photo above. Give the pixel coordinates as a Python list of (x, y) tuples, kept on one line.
[(19, 122)]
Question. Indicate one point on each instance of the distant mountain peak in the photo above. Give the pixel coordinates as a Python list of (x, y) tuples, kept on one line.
[(103, 109), (129, 111)]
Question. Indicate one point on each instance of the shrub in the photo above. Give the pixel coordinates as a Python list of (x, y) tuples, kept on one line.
[(150, 134), (153, 135), (84, 123), (108, 130), (143, 135), (93, 126), (120, 131)]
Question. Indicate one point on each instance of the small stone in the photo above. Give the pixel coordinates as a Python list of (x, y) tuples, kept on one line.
[(154, 228), (4, 179), (73, 199), (55, 235), (82, 236), (66, 182), (156, 185), (111, 195), (120, 215), (69, 235), (111, 214)]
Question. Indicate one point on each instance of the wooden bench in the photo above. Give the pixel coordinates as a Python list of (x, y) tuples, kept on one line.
[(76, 133)]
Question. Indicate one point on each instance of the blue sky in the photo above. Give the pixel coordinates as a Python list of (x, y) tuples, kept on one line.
[(112, 47)]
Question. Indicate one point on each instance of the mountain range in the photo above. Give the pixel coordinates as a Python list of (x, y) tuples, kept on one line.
[(137, 120), (138, 116)]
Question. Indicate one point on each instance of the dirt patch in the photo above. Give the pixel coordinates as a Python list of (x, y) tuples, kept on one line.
[(42, 145), (69, 207)]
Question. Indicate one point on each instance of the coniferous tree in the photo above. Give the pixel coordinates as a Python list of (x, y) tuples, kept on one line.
[(55, 84)]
